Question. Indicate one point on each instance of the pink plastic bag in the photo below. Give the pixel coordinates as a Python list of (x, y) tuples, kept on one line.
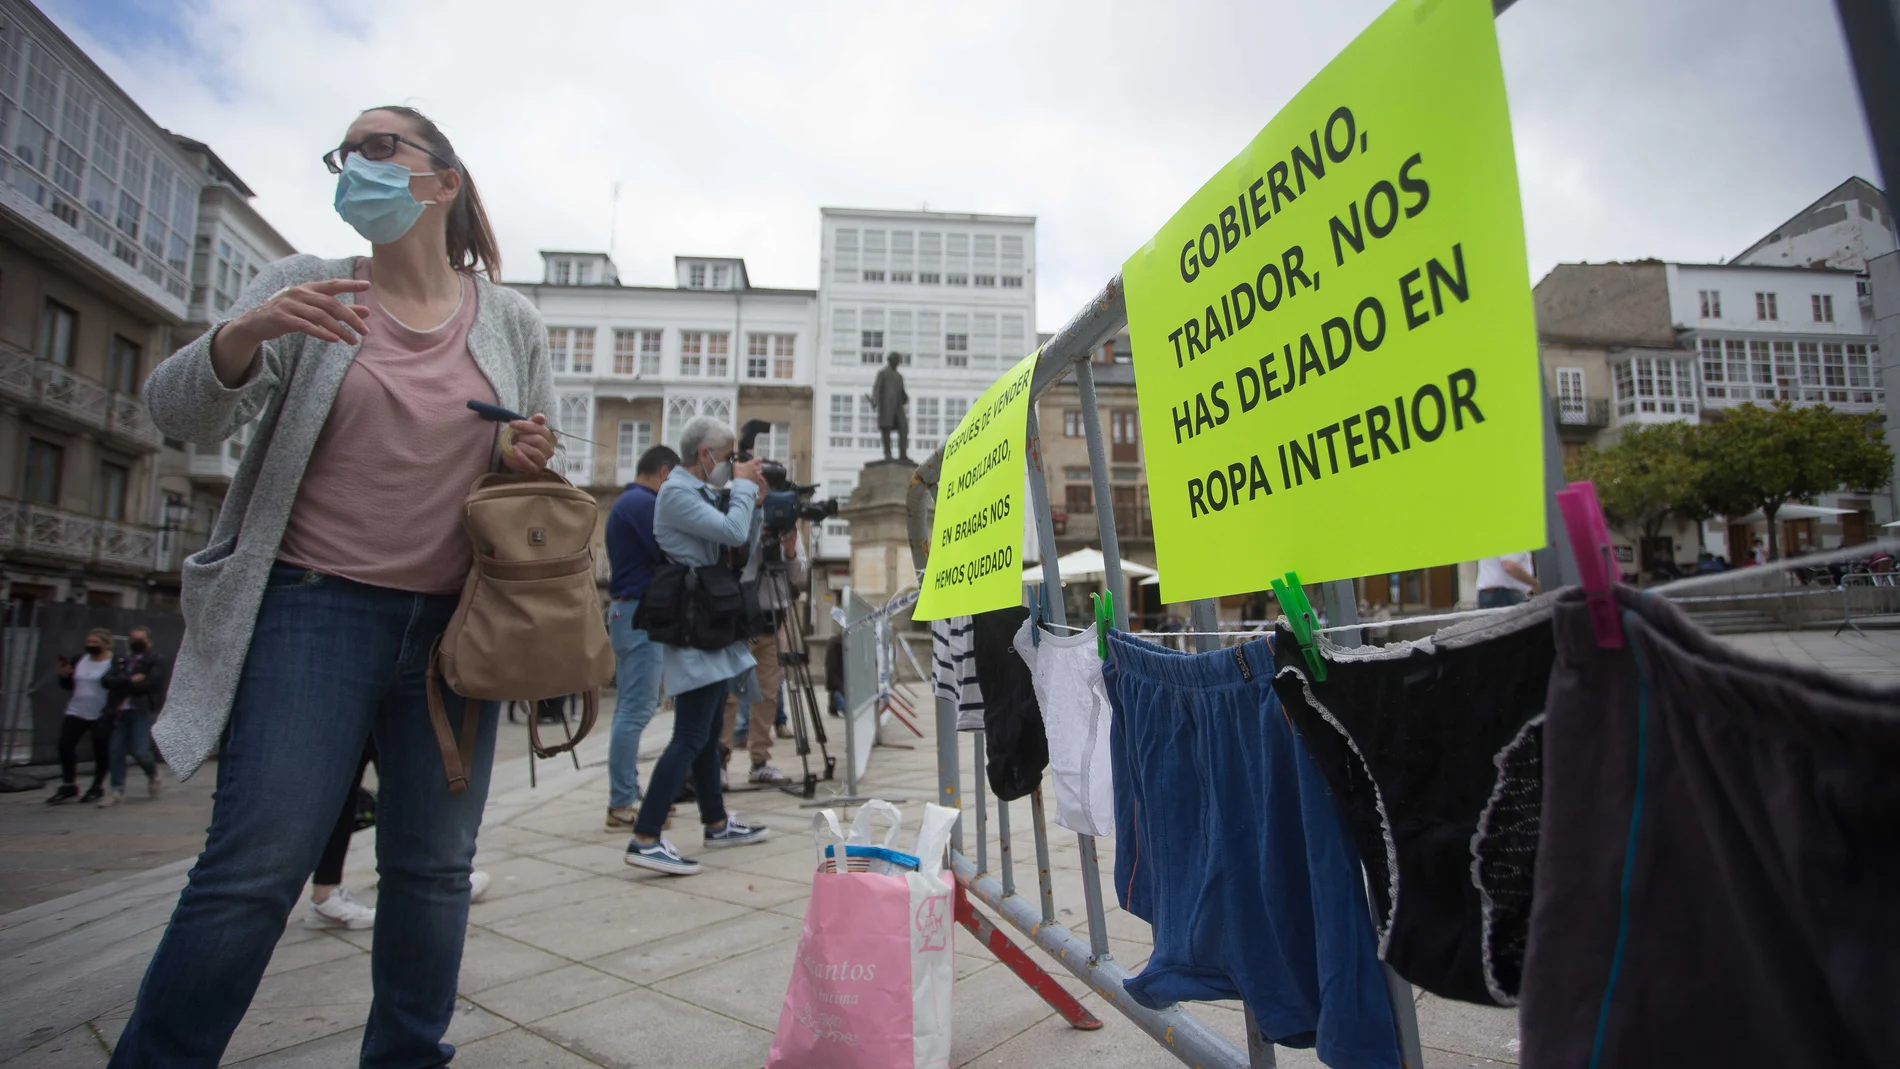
[(870, 988)]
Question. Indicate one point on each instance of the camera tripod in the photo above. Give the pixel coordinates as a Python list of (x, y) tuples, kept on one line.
[(794, 657)]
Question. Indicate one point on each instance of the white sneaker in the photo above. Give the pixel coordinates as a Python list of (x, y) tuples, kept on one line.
[(340, 910), (477, 885), (769, 776), (111, 799)]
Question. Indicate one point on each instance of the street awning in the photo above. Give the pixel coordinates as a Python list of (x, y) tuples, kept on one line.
[(1085, 564), (1796, 512)]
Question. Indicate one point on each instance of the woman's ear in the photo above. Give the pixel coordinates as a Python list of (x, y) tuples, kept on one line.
[(450, 180)]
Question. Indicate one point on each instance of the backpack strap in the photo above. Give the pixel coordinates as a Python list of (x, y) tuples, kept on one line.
[(590, 710), (457, 758)]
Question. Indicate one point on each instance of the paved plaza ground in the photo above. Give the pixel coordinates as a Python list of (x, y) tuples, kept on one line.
[(575, 960)]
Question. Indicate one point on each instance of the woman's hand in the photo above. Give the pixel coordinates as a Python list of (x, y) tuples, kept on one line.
[(531, 447), (311, 308)]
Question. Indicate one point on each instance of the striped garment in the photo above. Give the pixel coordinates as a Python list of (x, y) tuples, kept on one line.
[(954, 658)]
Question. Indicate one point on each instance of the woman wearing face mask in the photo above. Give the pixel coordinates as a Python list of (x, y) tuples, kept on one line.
[(691, 529), (85, 715), (333, 568)]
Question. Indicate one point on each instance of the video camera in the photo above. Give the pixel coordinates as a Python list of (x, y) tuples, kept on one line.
[(784, 502)]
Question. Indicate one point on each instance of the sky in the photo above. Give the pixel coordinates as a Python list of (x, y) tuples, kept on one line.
[(1682, 130)]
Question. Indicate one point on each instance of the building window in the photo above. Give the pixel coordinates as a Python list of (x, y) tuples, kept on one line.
[(582, 360), (636, 437), (845, 250), (1712, 377), (784, 359), (756, 356), (1571, 407), (696, 276), (874, 255), (776, 444), (1810, 353), (867, 424), (1078, 499), (1862, 376), (122, 367), (1072, 423), (557, 348), (929, 258), (957, 259), (954, 409), (692, 352), (1655, 385), (870, 346), (873, 276), (1834, 372), (560, 272), (903, 254), (1787, 372), (956, 347), (45, 462), (1012, 282), (57, 325), (1823, 308), (984, 280), (1765, 307), (842, 407), (929, 278), (718, 354), (1711, 303), (650, 353), (1012, 267), (1124, 435), (108, 494), (626, 351), (721, 277), (925, 428)]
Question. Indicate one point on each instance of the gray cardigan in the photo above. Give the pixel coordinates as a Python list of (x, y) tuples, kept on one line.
[(289, 396)]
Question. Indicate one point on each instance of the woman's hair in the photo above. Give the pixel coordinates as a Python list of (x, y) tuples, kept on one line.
[(101, 633), (702, 431), (471, 240)]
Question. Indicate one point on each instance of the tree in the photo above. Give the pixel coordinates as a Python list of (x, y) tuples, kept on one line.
[(1763, 458), (1650, 476)]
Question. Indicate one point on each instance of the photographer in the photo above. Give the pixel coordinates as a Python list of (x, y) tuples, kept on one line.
[(776, 595), (693, 530)]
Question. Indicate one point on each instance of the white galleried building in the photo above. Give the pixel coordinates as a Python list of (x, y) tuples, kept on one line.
[(953, 294), (633, 363)]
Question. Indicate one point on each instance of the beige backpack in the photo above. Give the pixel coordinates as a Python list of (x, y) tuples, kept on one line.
[(530, 625)]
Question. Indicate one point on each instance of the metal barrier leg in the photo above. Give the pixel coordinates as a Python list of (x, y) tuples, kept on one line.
[(982, 803), (1026, 970), (1041, 826), (949, 776), (1005, 849), (1259, 1051)]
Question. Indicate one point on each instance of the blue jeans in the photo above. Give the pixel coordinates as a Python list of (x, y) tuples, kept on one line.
[(694, 750), (1501, 597), (636, 696), (132, 736), (332, 663)]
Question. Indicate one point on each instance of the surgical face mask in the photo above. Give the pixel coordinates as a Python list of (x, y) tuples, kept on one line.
[(95, 650), (373, 197), (138, 645), (720, 476)]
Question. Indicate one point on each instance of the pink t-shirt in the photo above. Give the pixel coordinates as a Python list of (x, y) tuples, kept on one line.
[(381, 499)]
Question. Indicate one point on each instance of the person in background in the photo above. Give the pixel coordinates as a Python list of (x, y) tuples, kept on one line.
[(336, 563), (834, 674), (692, 530), (633, 554), (86, 715), (759, 693), (1505, 581), (137, 687), (331, 904), (1757, 552)]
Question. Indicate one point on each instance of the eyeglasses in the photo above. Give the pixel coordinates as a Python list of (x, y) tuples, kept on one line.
[(377, 147)]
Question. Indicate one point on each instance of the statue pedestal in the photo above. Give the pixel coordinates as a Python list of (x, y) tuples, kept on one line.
[(879, 514)]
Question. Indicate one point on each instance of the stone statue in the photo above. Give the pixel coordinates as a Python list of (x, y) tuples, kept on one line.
[(887, 393)]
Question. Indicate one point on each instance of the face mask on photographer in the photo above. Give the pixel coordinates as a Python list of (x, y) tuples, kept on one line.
[(720, 475)]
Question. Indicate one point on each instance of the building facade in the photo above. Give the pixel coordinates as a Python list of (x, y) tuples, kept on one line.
[(1649, 342), (98, 215), (953, 295), (632, 364)]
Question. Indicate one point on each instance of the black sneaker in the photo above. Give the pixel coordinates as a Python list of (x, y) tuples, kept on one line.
[(66, 793), (660, 857), (736, 833), (97, 792)]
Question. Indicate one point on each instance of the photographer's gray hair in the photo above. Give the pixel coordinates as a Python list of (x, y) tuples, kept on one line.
[(703, 431)]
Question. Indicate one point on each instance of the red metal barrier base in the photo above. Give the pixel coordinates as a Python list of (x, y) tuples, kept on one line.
[(1025, 969)]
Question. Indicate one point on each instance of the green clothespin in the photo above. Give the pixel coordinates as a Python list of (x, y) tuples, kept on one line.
[(1303, 620), (1104, 619)]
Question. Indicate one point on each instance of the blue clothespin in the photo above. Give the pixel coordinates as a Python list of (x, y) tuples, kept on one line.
[(1303, 620)]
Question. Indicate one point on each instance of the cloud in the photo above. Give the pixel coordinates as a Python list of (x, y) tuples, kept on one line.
[(1683, 131)]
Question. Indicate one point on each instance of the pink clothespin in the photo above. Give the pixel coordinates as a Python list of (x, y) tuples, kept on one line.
[(1596, 560)]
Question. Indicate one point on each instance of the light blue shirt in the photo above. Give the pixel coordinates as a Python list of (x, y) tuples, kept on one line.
[(692, 531)]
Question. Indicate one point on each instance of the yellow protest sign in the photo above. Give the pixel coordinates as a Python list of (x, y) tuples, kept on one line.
[(978, 531), (1335, 348)]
